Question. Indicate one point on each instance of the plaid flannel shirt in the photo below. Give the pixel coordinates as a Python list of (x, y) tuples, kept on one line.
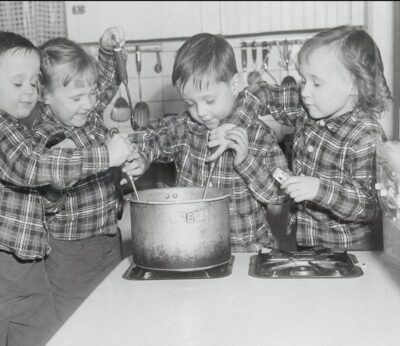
[(88, 208), (250, 183), (25, 163), (339, 151)]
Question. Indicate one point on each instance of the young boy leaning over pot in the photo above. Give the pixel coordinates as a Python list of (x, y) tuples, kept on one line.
[(206, 76)]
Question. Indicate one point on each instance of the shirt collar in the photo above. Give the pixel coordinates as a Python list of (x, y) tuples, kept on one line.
[(11, 119), (195, 127), (332, 124)]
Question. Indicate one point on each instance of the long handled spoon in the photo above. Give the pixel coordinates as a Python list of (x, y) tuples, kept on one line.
[(212, 166), (124, 78)]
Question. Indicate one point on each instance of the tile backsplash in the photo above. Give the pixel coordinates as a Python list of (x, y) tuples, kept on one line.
[(162, 98)]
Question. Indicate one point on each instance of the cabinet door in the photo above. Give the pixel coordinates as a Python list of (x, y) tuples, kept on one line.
[(142, 20), (244, 17)]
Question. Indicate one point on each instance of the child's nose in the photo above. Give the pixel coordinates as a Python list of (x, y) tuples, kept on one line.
[(305, 90), (30, 89), (201, 110), (87, 102)]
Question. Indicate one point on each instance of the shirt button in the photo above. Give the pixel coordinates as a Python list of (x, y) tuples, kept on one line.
[(310, 148), (92, 137), (322, 123), (48, 251)]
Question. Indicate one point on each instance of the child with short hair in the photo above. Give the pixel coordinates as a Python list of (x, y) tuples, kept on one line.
[(343, 92), (206, 75), (83, 230), (27, 314)]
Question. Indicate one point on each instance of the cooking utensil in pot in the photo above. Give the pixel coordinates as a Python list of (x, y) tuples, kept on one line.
[(176, 229), (212, 166), (123, 74), (133, 186), (141, 112)]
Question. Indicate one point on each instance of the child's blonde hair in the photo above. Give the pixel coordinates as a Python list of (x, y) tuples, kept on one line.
[(361, 57), (64, 61)]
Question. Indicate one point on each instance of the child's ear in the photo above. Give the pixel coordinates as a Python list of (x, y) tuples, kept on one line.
[(236, 84)]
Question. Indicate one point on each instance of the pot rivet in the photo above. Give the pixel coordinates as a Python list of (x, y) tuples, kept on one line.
[(175, 195), (166, 196)]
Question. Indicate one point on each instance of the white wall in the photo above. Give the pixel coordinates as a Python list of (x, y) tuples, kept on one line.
[(213, 17), (379, 24)]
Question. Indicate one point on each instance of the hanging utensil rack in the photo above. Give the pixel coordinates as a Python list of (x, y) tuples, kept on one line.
[(283, 46)]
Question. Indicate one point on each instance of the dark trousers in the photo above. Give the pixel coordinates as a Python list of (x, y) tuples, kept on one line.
[(75, 268), (27, 311)]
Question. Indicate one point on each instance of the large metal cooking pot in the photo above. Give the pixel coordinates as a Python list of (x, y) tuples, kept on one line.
[(175, 229)]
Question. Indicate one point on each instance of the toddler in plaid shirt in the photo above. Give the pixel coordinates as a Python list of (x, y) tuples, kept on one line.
[(27, 313), (206, 75), (83, 224), (343, 92)]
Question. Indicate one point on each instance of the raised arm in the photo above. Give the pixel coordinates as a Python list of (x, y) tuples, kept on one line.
[(261, 99)]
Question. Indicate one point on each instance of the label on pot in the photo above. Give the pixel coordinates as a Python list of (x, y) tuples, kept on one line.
[(193, 217)]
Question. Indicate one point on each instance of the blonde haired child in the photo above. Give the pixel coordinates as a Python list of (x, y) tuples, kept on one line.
[(83, 228), (343, 92)]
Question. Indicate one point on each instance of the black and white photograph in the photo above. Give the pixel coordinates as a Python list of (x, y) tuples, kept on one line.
[(199, 173)]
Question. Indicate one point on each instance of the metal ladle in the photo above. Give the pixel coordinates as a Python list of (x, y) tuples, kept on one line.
[(124, 78)]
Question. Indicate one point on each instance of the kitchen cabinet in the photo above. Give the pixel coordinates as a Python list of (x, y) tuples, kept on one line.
[(152, 20), (239, 17), (142, 20)]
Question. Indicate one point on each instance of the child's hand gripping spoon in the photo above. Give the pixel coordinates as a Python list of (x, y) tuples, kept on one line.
[(123, 74)]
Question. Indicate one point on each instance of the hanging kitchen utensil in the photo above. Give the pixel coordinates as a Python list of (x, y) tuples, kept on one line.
[(254, 76), (123, 75), (121, 111), (244, 59), (158, 66), (265, 58), (141, 112), (254, 54), (285, 52)]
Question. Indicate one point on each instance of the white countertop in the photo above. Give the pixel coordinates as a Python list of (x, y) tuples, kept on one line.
[(240, 310)]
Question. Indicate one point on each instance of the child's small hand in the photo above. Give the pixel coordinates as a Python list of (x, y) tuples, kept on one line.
[(135, 164), (239, 142), (113, 37), (217, 138), (301, 188), (119, 147)]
